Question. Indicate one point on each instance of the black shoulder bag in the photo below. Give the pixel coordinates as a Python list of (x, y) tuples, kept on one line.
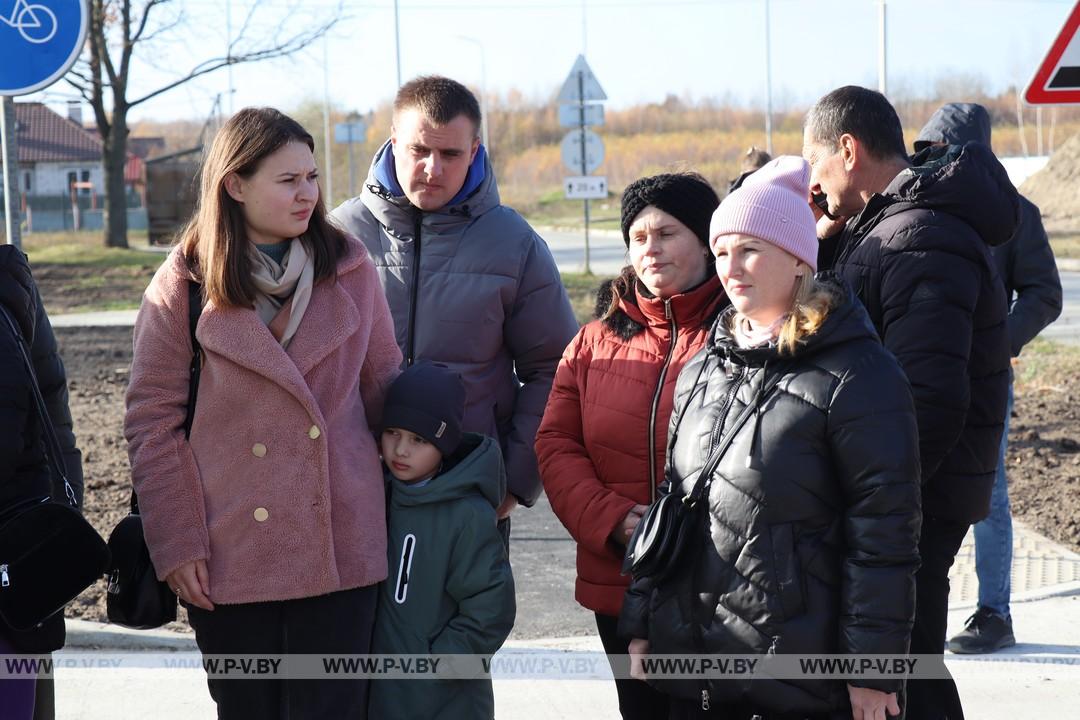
[(49, 553), (136, 598), (659, 544)]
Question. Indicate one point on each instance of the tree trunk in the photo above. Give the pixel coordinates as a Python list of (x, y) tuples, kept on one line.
[(115, 157)]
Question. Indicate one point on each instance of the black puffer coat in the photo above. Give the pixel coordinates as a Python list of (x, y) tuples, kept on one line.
[(24, 471), (1026, 263), (814, 518), (918, 256)]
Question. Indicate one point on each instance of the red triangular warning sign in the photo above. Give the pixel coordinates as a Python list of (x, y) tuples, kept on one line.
[(1057, 81)]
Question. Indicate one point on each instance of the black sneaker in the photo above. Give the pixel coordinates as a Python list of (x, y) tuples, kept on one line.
[(984, 632)]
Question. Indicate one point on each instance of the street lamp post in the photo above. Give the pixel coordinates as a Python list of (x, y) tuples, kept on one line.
[(483, 90)]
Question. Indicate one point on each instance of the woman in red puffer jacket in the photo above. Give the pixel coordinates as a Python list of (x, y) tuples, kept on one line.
[(602, 440)]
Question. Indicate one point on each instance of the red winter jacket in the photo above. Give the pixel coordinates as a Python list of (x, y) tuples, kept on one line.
[(612, 395)]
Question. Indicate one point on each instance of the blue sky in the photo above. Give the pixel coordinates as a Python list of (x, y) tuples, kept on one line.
[(640, 50)]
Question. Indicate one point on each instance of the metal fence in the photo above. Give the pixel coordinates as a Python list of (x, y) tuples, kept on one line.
[(57, 213)]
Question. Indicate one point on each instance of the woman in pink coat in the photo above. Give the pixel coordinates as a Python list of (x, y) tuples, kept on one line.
[(268, 522)]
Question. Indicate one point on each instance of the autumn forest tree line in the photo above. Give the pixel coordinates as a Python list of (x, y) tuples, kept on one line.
[(705, 135)]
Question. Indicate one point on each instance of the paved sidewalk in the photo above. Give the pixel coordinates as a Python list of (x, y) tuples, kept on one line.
[(1031, 678)]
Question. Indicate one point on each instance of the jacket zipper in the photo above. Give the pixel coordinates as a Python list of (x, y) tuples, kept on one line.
[(656, 400), (5, 581), (401, 588), (714, 438), (410, 347)]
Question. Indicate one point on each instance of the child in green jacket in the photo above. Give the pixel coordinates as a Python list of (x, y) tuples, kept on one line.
[(450, 590)]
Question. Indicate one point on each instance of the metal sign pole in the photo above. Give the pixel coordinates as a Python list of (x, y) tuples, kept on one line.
[(584, 163), (352, 176), (10, 156)]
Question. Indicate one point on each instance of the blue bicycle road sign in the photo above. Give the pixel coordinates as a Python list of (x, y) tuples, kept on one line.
[(39, 41)]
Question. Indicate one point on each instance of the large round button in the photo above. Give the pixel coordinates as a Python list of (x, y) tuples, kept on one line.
[(314, 432), (258, 450), (261, 515)]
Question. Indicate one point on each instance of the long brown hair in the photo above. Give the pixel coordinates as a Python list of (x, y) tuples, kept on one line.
[(215, 240)]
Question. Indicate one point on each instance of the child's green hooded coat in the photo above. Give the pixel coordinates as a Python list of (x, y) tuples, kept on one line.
[(450, 589)]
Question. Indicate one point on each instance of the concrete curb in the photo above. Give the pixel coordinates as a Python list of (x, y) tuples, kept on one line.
[(88, 635)]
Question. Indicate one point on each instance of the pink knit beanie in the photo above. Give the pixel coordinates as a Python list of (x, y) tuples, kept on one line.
[(772, 205)]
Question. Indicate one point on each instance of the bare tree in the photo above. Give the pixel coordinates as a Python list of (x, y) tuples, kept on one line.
[(119, 30)]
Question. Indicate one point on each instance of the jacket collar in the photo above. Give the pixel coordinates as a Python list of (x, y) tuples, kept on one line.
[(692, 307), (240, 336)]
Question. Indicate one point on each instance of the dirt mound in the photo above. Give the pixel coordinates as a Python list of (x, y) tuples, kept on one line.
[(1055, 188)]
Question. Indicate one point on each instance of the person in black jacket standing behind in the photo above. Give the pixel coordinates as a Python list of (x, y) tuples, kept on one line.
[(1033, 289), (913, 239), (24, 470)]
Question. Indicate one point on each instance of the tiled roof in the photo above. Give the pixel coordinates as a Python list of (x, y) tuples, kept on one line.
[(45, 136)]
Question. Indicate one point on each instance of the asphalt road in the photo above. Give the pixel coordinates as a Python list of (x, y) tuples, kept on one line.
[(607, 255)]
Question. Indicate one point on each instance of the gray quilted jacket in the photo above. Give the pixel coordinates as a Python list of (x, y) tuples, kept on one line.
[(472, 286)]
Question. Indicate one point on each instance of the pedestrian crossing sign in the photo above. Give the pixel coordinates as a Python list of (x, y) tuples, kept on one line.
[(1057, 81)]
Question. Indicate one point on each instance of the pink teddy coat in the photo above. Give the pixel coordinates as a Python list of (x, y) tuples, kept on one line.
[(280, 488)]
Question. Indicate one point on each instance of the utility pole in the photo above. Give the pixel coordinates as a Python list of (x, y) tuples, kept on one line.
[(228, 51), (397, 42), (882, 85), (10, 156), (768, 82), (328, 159)]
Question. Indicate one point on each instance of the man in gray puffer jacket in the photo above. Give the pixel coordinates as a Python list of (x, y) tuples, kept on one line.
[(469, 283)]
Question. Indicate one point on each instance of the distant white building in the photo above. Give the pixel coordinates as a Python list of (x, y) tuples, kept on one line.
[(55, 152)]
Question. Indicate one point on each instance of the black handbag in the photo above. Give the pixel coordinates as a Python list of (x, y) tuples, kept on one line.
[(49, 553), (136, 598), (660, 543)]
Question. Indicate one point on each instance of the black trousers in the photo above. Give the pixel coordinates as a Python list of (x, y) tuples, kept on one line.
[(338, 623), (687, 710), (938, 545), (637, 699)]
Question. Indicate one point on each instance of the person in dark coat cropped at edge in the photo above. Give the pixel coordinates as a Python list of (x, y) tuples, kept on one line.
[(470, 284), (24, 470), (1033, 291), (913, 238), (809, 544), (601, 445)]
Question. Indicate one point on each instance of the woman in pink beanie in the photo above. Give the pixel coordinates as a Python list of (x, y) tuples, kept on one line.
[(810, 522)]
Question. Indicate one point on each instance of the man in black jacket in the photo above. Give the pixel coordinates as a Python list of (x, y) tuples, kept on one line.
[(24, 472), (913, 239), (1033, 289)]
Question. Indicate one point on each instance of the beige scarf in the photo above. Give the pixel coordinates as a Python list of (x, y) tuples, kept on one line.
[(284, 290), (748, 336)]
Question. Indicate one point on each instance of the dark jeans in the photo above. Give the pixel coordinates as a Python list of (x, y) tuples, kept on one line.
[(938, 545), (994, 536), (337, 624), (637, 699)]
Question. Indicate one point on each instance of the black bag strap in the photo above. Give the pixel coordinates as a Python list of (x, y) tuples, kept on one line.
[(713, 461), (194, 311), (52, 450), (194, 368)]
